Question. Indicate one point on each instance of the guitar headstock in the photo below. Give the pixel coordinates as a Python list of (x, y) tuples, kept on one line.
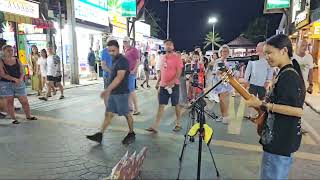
[(227, 74)]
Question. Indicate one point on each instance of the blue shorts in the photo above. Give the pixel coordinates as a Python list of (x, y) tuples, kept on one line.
[(275, 166), (164, 96), (8, 89), (132, 82), (118, 104)]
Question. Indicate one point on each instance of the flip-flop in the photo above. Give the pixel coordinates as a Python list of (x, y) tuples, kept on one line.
[(15, 122), (177, 128), (150, 129), (32, 118)]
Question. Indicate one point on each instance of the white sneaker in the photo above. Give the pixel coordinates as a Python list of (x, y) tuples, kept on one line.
[(225, 120), (219, 119)]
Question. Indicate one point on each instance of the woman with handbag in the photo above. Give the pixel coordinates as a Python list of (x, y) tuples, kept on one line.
[(33, 65), (281, 132), (12, 84)]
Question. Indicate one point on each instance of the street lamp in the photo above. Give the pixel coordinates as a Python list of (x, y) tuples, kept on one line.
[(213, 21)]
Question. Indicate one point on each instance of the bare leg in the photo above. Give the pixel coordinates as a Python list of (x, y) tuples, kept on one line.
[(107, 120), (147, 78), (50, 87), (3, 104), (159, 116), (130, 122), (25, 105), (134, 101), (10, 108), (178, 115), (223, 104), (60, 88)]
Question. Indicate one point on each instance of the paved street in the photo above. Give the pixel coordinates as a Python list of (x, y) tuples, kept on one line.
[(55, 147)]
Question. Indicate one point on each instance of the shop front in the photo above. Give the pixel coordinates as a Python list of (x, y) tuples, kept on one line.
[(21, 27), (90, 29)]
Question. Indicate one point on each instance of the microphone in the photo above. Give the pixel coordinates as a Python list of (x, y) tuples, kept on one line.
[(244, 59)]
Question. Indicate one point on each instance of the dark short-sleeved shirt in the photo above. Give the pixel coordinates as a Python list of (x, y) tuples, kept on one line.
[(282, 132), (106, 57), (120, 63)]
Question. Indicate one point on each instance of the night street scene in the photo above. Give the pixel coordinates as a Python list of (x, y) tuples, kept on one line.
[(159, 89)]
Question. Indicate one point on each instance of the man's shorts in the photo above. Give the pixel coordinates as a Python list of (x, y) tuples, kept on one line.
[(132, 82), (54, 79), (9, 89), (257, 90), (118, 104), (164, 96)]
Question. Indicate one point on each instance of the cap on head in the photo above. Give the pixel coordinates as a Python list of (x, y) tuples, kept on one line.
[(126, 39), (111, 38)]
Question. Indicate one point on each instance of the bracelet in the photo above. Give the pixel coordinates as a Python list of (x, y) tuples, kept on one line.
[(272, 107)]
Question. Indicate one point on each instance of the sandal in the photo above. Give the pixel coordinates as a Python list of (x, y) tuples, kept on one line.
[(15, 122), (177, 128), (32, 118), (150, 129), (136, 113)]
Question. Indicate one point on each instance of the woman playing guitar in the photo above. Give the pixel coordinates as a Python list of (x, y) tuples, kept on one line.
[(281, 130)]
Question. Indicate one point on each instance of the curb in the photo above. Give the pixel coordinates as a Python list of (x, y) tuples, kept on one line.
[(69, 87), (313, 108)]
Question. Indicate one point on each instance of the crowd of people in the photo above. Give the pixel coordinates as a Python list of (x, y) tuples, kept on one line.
[(278, 82), (44, 72)]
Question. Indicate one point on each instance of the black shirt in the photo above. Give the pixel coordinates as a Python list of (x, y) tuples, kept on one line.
[(281, 134), (120, 63)]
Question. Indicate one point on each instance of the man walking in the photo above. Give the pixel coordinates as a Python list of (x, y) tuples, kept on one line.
[(92, 64), (171, 67), (133, 56), (106, 64), (259, 75), (116, 95)]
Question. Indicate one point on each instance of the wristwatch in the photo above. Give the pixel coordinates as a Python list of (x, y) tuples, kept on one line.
[(263, 106)]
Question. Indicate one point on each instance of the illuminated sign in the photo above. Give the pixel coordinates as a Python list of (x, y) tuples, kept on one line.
[(125, 8), (92, 11), (20, 7), (143, 28), (277, 4)]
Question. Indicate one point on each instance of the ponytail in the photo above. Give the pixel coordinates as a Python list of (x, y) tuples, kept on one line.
[(296, 67)]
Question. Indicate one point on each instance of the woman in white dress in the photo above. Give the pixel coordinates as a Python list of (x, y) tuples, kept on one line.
[(42, 65), (210, 78)]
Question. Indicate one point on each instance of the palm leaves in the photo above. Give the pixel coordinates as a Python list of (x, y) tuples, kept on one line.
[(114, 6), (210, 39)]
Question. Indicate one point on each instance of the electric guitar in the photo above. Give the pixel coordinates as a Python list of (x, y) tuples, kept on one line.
[(229, 77)]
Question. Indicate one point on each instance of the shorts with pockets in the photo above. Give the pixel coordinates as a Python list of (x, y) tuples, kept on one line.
[(164, 96), (8, 89)]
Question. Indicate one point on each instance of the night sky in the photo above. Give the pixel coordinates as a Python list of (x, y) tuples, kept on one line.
[(189, 21)]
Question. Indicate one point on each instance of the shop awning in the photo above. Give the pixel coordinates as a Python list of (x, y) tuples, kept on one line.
[(40, 23)]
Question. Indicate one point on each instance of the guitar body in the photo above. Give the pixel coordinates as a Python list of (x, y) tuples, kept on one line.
[(259, 121)]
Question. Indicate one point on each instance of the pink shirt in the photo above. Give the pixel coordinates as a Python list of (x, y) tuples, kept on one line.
[(170, 64), (132, 54)]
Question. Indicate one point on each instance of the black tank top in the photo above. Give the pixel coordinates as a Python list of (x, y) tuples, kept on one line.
[(11, 70)]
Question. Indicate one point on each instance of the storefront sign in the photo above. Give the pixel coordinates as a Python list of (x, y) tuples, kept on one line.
[(20, 7), (143, 28), (303, 18), (315, 30), (36, 37), (295, 8), (277, 4), (91, 12)]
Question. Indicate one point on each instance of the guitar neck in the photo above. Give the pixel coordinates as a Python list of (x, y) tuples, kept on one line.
[(239, 88)]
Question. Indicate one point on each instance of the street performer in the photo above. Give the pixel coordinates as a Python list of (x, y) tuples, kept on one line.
[(281, 131)]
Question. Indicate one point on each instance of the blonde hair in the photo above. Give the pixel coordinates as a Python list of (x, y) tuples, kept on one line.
[(221, 48)]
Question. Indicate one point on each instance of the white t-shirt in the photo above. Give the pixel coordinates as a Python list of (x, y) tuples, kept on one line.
[(306, 63), (158, 62), (53, 66), (42, 62)]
